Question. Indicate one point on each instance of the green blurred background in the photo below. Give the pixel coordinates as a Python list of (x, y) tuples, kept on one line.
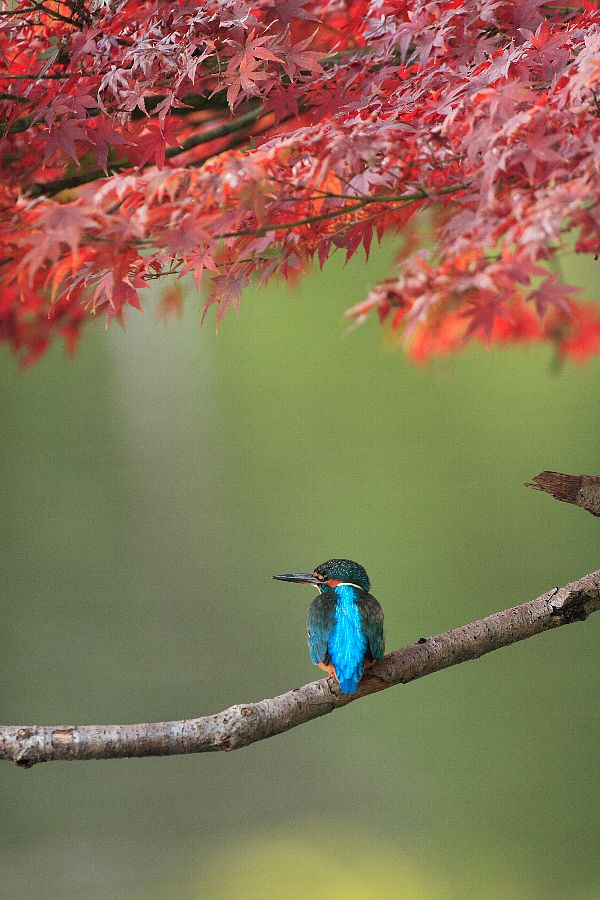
[(152, 485)]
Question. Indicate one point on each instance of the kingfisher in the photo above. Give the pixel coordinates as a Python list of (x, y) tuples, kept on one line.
[(345, 623)]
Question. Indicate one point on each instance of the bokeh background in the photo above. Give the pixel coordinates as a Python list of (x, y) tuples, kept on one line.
[(150, 487)]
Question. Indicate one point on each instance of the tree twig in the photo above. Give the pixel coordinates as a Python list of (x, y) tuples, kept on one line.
[(244, 724), (409, 197)]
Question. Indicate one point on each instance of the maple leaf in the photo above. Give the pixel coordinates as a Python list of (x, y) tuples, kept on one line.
[(57, 224), (152, 143), (226, 293), (253, 50), (196, 262), (283, 101), (190, 241), (299, 59), (113, 290), (63, 137), (552, 293), (246, 68), (286, 10), (186, 236), (171, 303), (549, 50), (482, 314), (541, 149), (246, 81), (103, 136), (527, 13)]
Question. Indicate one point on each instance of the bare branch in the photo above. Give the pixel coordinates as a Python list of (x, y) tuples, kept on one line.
[(581, 490), (244, 724)]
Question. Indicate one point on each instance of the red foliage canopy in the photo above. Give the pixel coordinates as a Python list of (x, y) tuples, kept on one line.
[(238, 139)]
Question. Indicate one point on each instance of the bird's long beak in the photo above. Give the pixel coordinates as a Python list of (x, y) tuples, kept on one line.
[(300, 578)]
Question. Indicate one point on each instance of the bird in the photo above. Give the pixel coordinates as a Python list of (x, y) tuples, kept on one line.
[(345, 623)]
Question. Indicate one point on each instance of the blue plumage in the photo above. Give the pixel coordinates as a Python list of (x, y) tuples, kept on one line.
[(345, 623), (347, 642)]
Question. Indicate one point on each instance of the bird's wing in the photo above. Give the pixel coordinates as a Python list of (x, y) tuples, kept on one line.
[(320, 626), (372, 618)]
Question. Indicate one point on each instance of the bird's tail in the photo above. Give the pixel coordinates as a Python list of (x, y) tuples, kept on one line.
[(348, 681)]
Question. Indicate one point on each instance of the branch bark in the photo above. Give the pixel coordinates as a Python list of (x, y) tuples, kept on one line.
[(244, 724), (580, 490)]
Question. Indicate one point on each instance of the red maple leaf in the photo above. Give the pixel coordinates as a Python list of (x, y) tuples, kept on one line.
[(103, 135), (57, 225), (226, 293), (153, 141), (553, 293), (64, 137)]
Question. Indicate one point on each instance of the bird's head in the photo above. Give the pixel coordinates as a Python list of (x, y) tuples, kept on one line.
[(331, 573)]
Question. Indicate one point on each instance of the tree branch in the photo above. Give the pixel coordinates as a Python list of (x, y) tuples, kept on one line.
[(580, 490), (244, 724), (50, 188)]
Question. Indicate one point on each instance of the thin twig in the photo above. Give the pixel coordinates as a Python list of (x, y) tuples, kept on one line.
[(19, 12), (409, 197), (17, 98)]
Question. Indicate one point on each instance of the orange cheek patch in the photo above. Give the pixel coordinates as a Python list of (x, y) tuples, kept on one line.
[(333, 582)]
